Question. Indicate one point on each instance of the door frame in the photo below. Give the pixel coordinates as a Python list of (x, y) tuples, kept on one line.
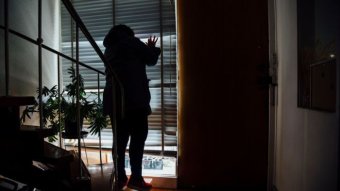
[(273, 95)]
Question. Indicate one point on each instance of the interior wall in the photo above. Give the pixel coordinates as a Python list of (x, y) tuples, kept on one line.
[(307, 140), (23, 56)]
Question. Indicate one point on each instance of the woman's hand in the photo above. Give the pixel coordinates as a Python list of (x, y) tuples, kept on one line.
[(152, 41)]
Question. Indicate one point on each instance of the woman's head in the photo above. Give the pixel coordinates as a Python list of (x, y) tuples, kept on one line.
[(117, 33)]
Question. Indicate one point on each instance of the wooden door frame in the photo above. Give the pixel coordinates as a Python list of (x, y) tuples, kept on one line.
[(272, 139)]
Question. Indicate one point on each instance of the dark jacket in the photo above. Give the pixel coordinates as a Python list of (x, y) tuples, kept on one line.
[(128, 57)]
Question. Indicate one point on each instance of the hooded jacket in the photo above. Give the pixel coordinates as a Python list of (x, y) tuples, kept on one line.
[(129, 57)]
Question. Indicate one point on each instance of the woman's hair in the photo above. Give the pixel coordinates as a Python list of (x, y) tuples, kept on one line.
[(117, 33)]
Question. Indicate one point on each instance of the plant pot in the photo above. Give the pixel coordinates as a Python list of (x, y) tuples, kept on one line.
[(71, 127)]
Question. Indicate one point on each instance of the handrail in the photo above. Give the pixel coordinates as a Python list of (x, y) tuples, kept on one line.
[(81, 25), (51, 49)]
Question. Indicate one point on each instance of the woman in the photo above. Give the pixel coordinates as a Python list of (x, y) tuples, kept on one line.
[(129, 57)]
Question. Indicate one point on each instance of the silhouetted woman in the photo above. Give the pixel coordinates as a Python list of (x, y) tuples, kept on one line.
[(129, 57)]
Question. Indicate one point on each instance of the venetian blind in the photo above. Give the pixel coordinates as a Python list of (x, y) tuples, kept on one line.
[(145, 17)]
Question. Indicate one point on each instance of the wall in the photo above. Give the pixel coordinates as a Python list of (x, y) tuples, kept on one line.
[(23, 56), (307, 140)]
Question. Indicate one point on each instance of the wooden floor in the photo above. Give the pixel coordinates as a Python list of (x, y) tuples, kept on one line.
[(100, 179)]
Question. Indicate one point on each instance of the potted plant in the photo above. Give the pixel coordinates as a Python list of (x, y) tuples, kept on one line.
[(50, 110), (70, 106), (61, 112)]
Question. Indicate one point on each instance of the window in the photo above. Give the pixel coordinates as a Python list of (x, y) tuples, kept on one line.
[(146, 18)]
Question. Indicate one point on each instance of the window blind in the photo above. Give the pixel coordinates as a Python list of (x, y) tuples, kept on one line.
[(145, 17)]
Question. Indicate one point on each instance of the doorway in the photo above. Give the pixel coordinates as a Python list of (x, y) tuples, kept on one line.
[(224, 97)]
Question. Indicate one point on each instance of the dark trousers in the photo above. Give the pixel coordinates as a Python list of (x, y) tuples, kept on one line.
[(135, 127)]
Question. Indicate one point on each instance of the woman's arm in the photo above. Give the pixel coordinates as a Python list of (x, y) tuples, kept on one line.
[(148, 51)]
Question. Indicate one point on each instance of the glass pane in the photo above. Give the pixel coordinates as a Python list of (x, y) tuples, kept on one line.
[(89, 57), (97, 16), (154, 74), (169, 58), (141, 15), (90, 79), (49, 68), (155, 103), (23, 17), (51, 23), (67, 33), (23, 62)]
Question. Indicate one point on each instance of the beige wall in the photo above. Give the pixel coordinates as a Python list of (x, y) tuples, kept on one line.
[(307, 140)]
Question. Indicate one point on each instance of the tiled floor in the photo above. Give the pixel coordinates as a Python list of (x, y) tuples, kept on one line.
[(162, 179), (100, 179)]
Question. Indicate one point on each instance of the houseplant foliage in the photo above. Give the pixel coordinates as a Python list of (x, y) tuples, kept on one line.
[(60, 112), (50, 110)]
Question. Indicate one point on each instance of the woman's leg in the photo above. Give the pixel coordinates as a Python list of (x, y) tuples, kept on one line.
[(138, 132), (122, 140)]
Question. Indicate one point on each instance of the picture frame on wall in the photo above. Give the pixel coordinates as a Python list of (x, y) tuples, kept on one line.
[(318, 25)]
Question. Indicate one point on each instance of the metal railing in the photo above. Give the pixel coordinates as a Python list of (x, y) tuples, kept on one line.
[(39, 42)]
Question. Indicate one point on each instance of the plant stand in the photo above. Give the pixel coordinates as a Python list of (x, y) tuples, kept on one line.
[(71, 136)]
